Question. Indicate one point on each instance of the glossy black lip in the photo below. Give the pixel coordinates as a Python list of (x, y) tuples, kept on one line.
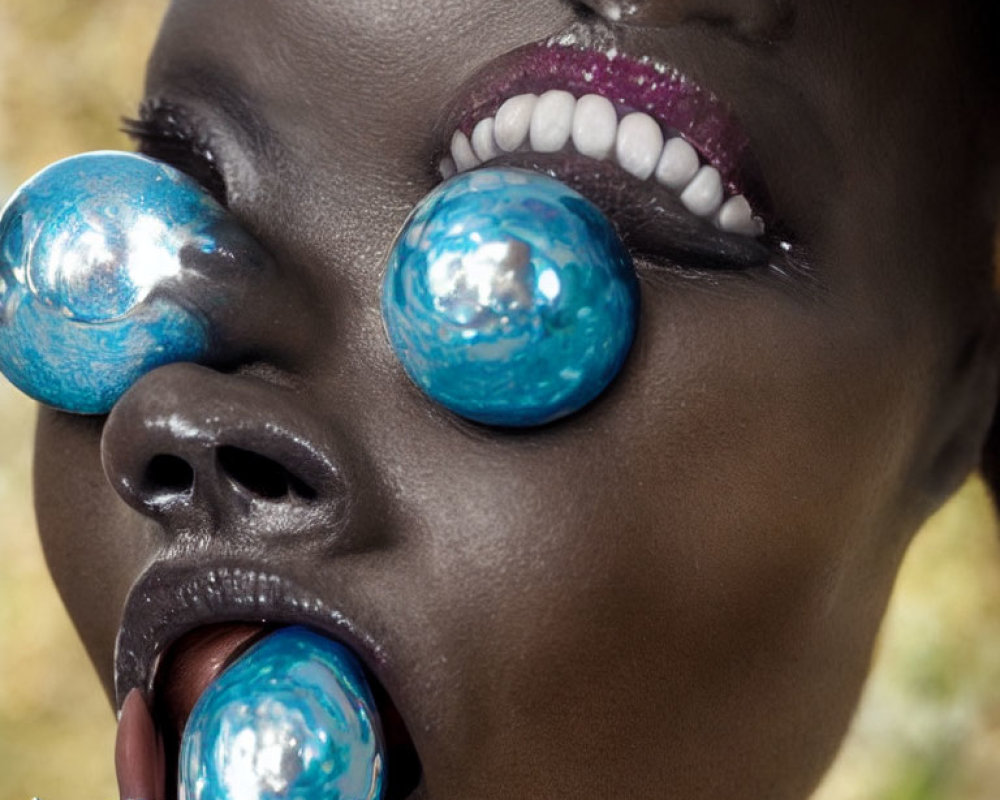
[(170, 600)]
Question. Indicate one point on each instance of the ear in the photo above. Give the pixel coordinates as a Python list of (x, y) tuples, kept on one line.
[(968, 421), (972, 431), (990, 459)]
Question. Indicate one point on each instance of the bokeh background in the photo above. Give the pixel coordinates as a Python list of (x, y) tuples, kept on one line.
[(929, 724)]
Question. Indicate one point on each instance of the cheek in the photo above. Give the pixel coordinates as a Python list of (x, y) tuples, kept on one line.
[(713, 546), (777, 483), (80, 521)]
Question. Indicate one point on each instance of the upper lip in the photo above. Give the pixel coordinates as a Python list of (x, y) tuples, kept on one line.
[(585, 60), (170, 600)]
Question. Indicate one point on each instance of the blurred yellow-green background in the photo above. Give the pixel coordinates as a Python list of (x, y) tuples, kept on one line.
[(929, 724)]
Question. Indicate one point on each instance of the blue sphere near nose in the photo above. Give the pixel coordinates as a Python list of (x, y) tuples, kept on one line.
[(509, 298), (292, 719), (90, 261)]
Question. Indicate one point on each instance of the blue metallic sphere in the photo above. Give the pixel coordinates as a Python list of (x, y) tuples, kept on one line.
[(292, 719), (90, 255), (509, 298)]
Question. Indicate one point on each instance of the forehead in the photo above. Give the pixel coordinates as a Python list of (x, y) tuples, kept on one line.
[(391, 59), (352, 26), (353, 38), (317, 87)]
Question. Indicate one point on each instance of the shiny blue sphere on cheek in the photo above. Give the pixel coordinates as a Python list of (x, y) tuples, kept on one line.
[(91, 255), (509, 298)]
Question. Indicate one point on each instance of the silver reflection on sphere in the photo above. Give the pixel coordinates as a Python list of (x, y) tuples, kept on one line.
[(483, 287)]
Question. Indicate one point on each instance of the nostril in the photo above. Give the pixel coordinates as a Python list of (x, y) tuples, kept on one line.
[(261, 475), (166, 474)]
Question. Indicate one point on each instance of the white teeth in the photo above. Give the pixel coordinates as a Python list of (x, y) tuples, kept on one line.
[(678, 164), (483, 143), (447, 167), (552, 121), (547, 124), (704, 194), (595, 126), (461, 152), (736, 216), (513, 119), (639, 144)]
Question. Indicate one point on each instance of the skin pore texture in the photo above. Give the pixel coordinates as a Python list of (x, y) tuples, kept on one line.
[(673, 592)]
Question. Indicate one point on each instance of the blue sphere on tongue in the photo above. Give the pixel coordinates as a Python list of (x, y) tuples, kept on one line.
[(292, 719)]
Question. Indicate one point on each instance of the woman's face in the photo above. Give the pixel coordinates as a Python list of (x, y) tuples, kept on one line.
[(672, 592)]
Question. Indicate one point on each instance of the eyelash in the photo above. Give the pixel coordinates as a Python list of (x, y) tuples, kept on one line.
[(162, 132)]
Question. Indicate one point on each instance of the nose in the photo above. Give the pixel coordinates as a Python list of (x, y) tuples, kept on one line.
[(211, 455)]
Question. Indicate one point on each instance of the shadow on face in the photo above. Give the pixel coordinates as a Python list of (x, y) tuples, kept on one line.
[(673, 591)]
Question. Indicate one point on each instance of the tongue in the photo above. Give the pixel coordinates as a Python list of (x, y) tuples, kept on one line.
[(193, 663), (190, 666)]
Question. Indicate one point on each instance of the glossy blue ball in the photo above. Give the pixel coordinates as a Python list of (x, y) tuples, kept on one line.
[(509, 298), (291, 719), (90, 253)]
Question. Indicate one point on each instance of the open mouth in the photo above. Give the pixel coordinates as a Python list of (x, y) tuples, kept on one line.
[(663, 157), (186, 651), (578, 94)]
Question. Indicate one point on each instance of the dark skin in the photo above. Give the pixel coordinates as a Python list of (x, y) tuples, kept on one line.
[(674, 592)]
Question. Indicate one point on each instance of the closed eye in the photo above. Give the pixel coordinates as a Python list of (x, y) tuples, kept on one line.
[(161, 131)]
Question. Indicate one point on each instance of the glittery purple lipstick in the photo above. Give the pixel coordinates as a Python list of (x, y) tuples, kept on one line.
[(631, 83)]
